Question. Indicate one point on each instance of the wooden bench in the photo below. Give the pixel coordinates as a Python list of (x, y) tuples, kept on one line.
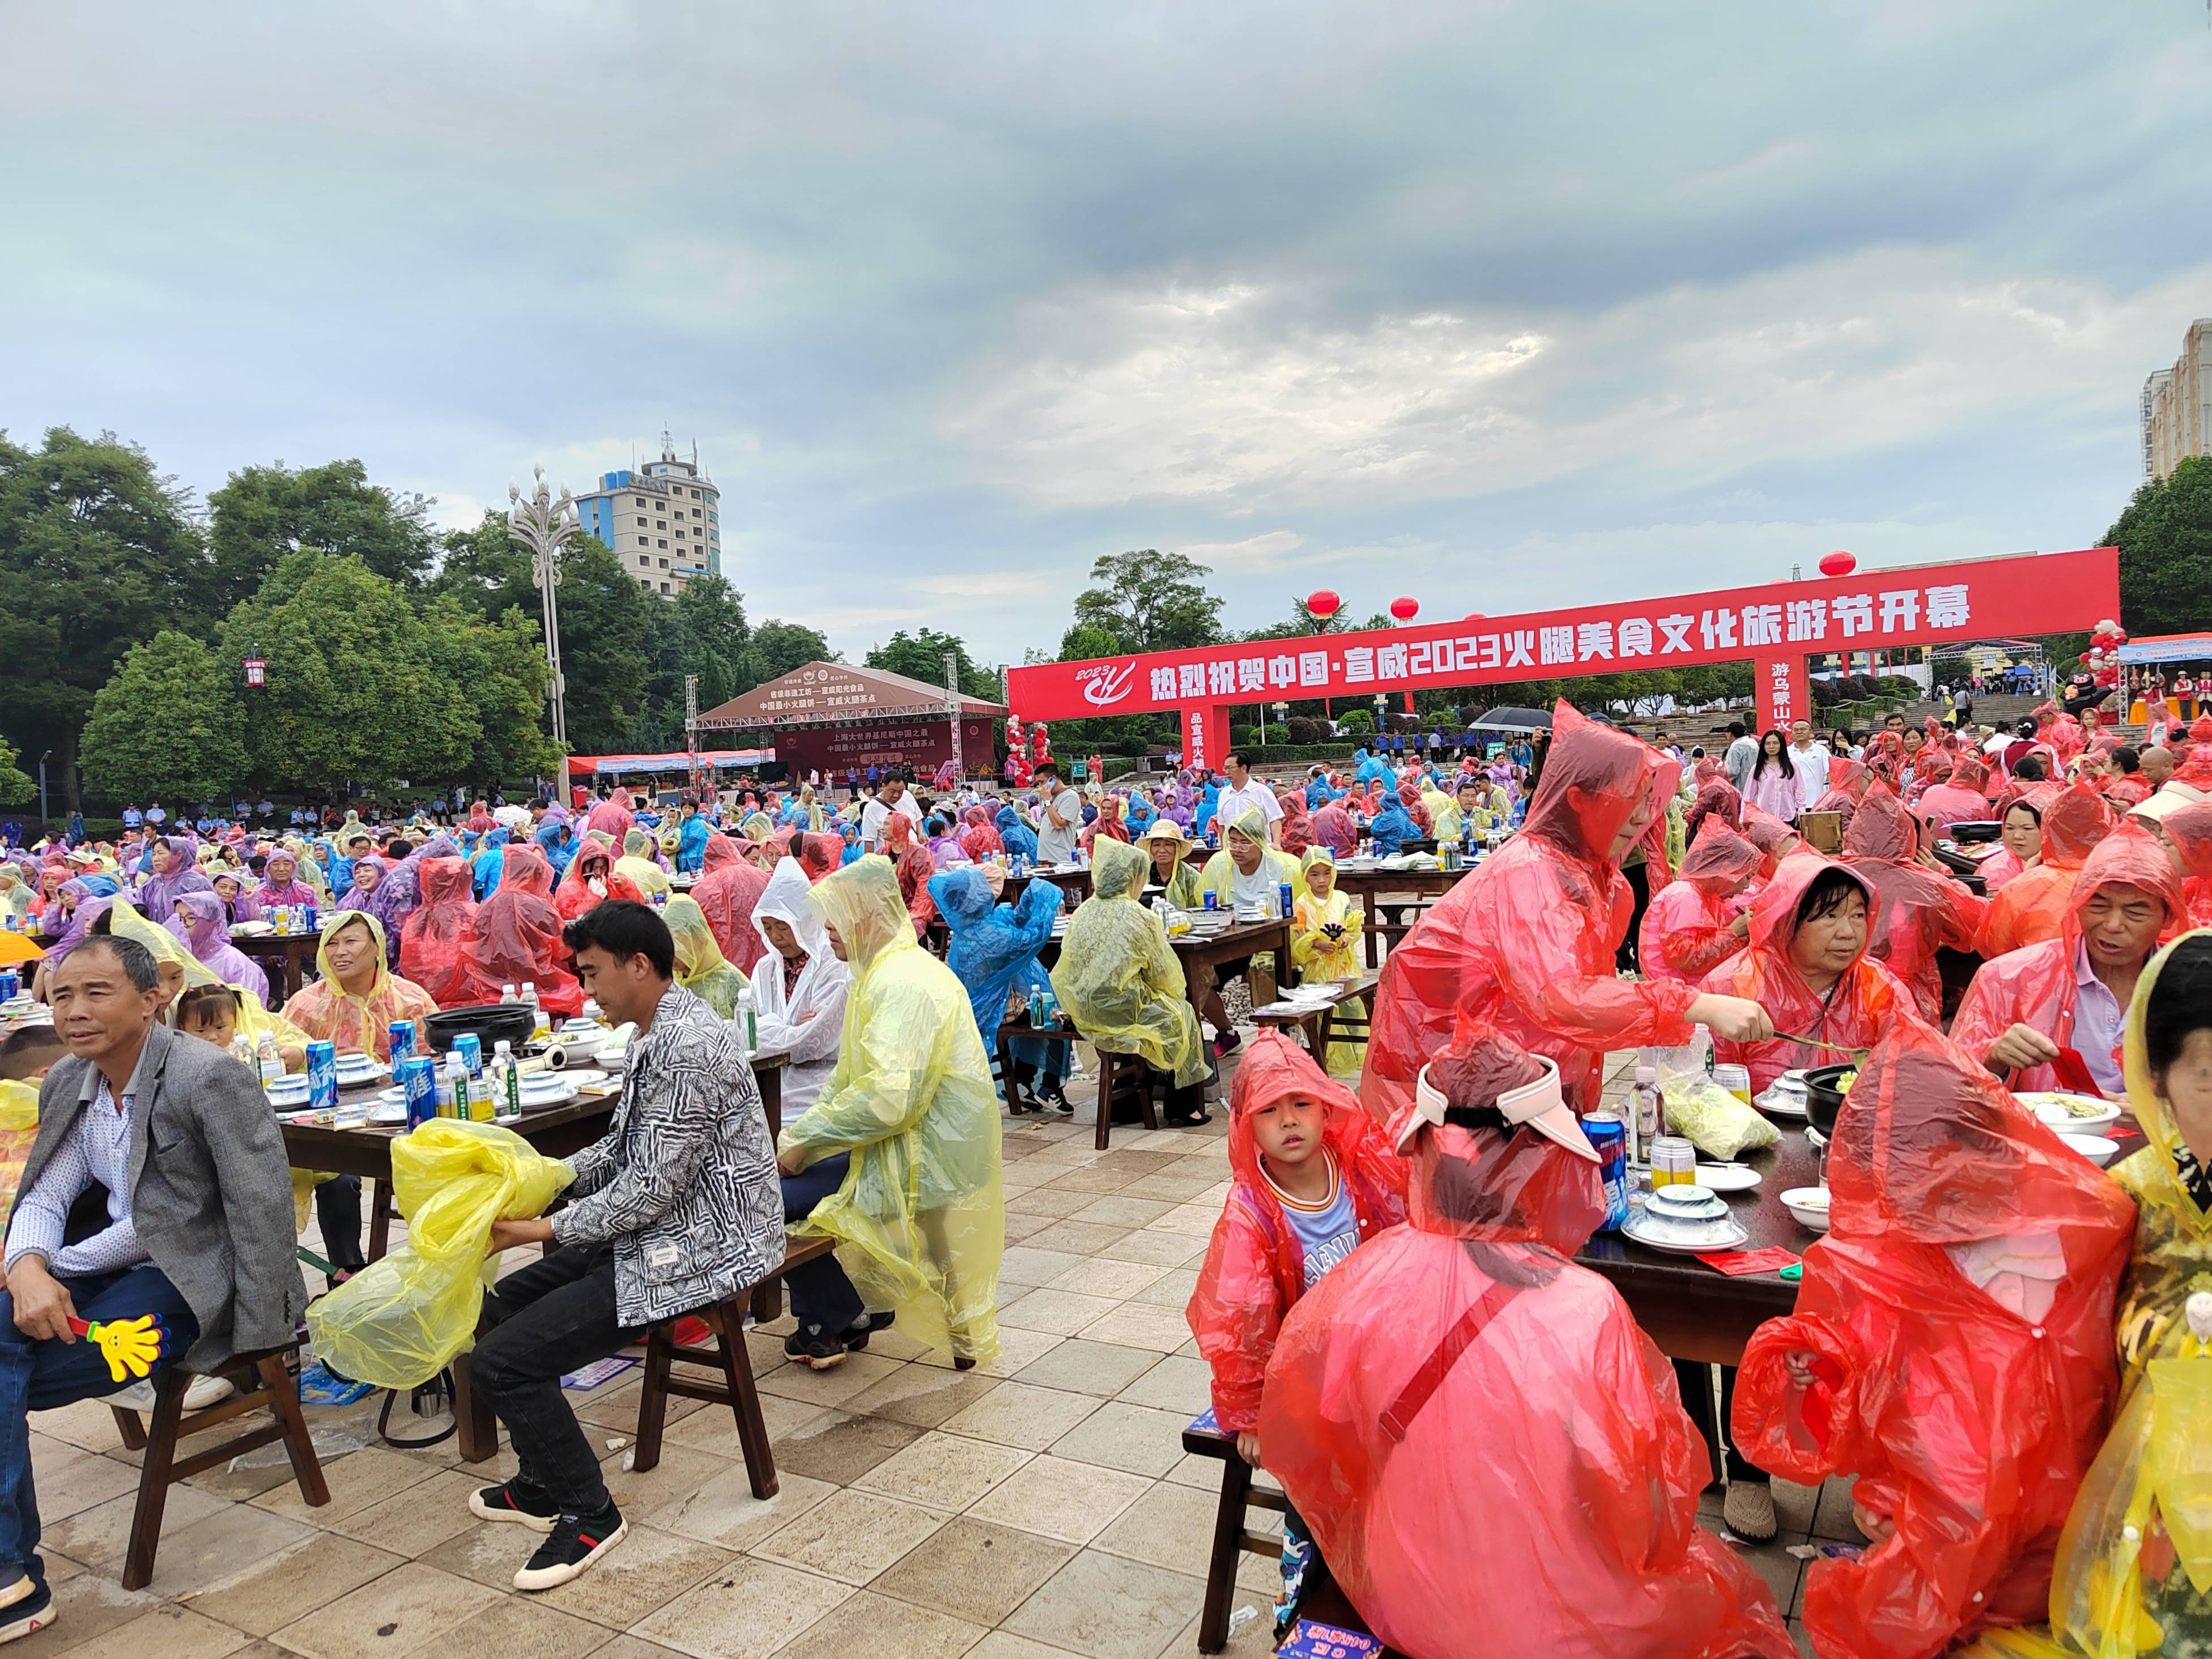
[(264, 1381), (728, 1354), (1231, 1537), (1327, 1023), (1004, 1054)]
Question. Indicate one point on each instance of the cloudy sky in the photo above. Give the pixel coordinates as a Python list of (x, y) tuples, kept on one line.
[(1493, 304)]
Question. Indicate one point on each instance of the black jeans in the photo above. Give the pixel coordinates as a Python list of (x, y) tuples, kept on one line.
[(1639, 890), (1696, 1382), (552, 1318), (337, 1212), (821, 1294)]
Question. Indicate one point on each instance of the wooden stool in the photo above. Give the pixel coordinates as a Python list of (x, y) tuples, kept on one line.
[(267, 1384), (1230, 1536), (1005, 1054), (1122, 1077), (726, 1319)]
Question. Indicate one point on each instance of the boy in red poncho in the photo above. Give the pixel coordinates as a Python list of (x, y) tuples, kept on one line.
[(1312, 1178), (1688, 931), (1952, 1347), (1491, 1454)]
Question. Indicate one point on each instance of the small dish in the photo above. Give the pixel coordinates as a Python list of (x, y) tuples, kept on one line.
[(385, 1116), (2097, 1149), (1808, 1208), (288, 1091), (1728, 1178), (1719, 1236)]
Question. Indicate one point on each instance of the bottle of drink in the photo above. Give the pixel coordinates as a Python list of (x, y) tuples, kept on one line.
[(453, 1087), (540, 1027), (507, 993), (268, 1064), (1647, 1114), (506, 1080), (748, 1018), (241, 1050), (1701, 1050)]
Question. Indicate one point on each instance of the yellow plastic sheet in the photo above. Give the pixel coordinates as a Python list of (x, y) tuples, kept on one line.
[(19, 1128), (921, 1219), (1118, 977), (401, 1320), (701, 967)]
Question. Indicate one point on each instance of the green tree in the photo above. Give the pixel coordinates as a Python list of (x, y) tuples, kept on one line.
[(703, 631), (1150, 601), (15, 783), (605, 619), (2165, 539), (267, 513), (500, 668), (168, 723), (921, 656), (356, 692), (486, 569), (779, 646), (96, 552)]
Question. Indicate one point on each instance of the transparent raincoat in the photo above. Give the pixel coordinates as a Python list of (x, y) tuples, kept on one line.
[(727, 890), (1254, 1268), (1492, 1456), (2032, 906), (1526, 943), (920, 1220), (701, 967), (2035, 985), (1957, 1319), (1685, 933), (1277, 865), (1916, 910), (323, 1009), (433, 944), (516, 939), (1118, 977)]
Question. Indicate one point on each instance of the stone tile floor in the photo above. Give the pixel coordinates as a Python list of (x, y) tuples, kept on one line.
[(1037, 1508)]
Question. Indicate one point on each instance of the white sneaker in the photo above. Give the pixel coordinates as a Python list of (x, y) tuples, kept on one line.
[(201, 1393)]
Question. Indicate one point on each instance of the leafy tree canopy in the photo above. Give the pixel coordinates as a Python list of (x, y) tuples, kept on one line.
[(168, 724), (921, 656), (1150, 601), (15, 783), (267, 513), (2165, 539), (779, 646)]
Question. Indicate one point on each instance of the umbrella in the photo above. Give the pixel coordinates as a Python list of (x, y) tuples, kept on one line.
[(1512, 720)]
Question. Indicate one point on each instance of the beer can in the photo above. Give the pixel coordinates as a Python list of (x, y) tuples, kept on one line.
[(11, 984), (1212, 899), (307, 918), (402, 1041), (1674, 1162), (1285, 893), (323, 1077), (1608, 1137), (469, 1046), (418, 1076)]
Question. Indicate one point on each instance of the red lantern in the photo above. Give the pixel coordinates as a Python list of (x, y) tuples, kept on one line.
[(1838, 563), (1474, 616), (1404, 610), (1323, 604)]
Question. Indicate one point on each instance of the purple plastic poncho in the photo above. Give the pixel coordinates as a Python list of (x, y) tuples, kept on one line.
[(158, 895), (208, 936)]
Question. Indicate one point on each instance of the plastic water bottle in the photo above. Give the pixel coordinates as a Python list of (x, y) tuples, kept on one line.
[(268, 1064), (540, 1027), (507, 993), (1701, 1050), (1646, 1115), (506, 1080), (748, 1018), (453, 1087), (241, 1050)]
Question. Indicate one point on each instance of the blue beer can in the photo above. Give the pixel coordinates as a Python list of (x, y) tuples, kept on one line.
[(1212, 899), (1286, 901), (1608, 1138), (403, 1042), (11, 984), (469, 1046), (307, 918), (323, 1077), (418, 1076)]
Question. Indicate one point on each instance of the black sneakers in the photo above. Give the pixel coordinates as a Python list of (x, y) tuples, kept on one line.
[(576, 1542), (820, 1348), (516, 1501), (29, 1610)]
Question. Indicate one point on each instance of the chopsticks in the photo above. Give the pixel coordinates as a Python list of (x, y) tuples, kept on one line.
[(1813, 1042)]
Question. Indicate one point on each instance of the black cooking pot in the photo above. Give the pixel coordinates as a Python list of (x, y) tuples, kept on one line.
[(1823, 1101), (1969, 832), (494, 1023)]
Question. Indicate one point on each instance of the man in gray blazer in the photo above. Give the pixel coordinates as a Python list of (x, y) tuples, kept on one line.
[(179, 1140)]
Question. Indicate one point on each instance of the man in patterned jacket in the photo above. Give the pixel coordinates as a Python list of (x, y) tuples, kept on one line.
[(678, 1207)]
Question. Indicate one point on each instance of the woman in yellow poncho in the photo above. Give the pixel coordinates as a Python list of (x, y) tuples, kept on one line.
[(1169, 869), (638, 863), (701, 967), (1325, 942), (919, 1213), (2134, 1573), (1120, 980)]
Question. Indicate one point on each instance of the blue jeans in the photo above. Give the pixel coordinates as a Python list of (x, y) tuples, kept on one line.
[(38, 1375), (820, 1292)]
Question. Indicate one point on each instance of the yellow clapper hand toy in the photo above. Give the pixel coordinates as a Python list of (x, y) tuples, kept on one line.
[(131, 1347)]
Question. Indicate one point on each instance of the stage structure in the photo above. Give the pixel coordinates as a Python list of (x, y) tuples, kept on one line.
[(834, 718)]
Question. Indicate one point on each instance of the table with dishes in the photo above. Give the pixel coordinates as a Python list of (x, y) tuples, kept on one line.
[(288, 958), (1368, 879)]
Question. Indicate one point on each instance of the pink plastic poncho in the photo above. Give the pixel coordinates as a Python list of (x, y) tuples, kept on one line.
[(727, 890), (2188, 833), (436, 933), (1917, 911), (1526, 943), (1856, 1011), (911, 859), (2035, 985), (1847, 781), (516, 939), (209, 935), (1254, 1268), (1959, 1315), (1686, 932), (2032, 906), (1490, 1454)]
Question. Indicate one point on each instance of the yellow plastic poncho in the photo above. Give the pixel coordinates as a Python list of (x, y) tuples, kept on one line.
[(254, 1021), (1118, 977), (403, 1318), (701, 967), (2134, 1570), (920, 1220), (1442, 808), (19, 1128), (637, 863), (1279, 865), (1319, 957)]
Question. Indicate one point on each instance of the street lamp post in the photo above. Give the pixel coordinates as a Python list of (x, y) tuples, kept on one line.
[(546, 526), (45, 813)]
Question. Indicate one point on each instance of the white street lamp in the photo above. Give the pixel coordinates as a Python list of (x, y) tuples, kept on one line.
[(546, 526)]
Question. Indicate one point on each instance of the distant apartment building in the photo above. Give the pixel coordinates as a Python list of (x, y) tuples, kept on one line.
[(663, 520), (2176, 405)]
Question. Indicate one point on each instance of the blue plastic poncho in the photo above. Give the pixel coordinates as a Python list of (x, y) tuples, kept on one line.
[(691, 844), (1015, 835), (1393, 826), (559, 846), (995, 947), (1371, 767), (489, 863)]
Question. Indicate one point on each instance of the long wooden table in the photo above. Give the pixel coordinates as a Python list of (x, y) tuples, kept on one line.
[(288, 960), (1369, 884)]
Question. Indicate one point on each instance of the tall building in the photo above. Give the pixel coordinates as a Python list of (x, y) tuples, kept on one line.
[(2176, 405), (663, 520)]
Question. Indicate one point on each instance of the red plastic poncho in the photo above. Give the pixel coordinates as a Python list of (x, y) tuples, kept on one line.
[(1255, 1267), (516, 939), (727, 888), (1686, 932), (593, 862), (1917, 911), (2189, 832), (1856, 1013), (2032, 906), (2035, 985), (431, 944), (1484, 1442), (911, 859), (820, 854), (1294, 831), (1769, 833), (1526, 943), (1966, 1381), (1719, 802)]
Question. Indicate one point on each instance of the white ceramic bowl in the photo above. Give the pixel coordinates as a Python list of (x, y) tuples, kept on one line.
[(2096, 1148), (1808, 1206), (2052, 1109)]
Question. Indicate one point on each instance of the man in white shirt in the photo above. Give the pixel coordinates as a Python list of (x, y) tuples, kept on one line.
[(892, 798), (1060, 815), (1742, 755), (1243, 792), (1810, 762)]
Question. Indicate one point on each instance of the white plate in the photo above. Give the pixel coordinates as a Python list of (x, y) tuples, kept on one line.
[(1715, 1177), (540, 1098), (394, 1096), (384, 1117), (1731, 1237), (288, 1093), (2051, 1107), (1778, 1102), (1813, 1217)]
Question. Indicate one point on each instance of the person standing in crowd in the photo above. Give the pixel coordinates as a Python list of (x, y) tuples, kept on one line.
[(1773, 785), (894, 797), (1060, 815), (1243, 792), (1809, 761), (674, 1209), (1742, 754)]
